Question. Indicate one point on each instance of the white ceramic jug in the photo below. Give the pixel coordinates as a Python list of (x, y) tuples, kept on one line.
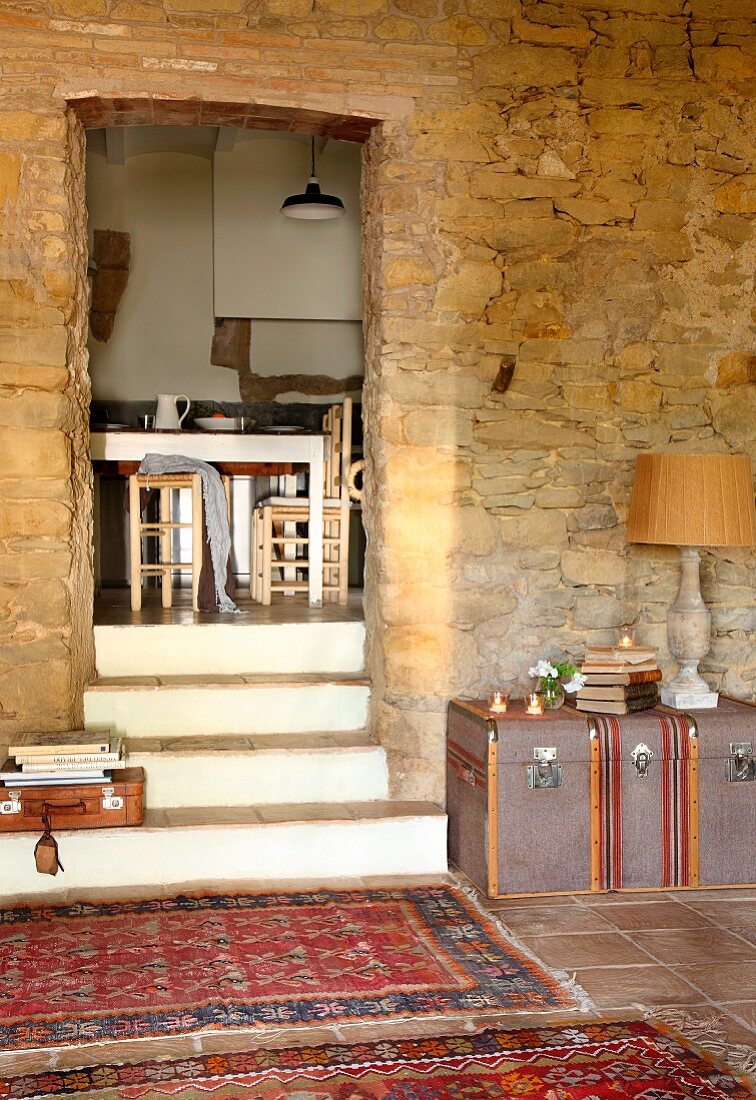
[(166, 414)]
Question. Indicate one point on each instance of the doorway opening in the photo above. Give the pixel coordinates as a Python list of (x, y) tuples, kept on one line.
[(201, 287)]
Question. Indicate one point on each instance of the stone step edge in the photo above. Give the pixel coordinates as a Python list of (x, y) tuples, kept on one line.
[(413, 811), (134, 750), (238, 681), (359, 734)]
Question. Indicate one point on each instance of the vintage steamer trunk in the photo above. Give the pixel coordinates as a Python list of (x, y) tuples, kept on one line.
[(569, 802), (85, 806)]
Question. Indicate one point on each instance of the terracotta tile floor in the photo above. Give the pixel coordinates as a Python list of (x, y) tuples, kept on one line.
[(693, 951)]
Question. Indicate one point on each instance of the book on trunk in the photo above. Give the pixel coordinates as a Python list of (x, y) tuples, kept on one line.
[(615, 706), (51, 744), (599, 666), (618, 692), (637, 676), (621, 655)]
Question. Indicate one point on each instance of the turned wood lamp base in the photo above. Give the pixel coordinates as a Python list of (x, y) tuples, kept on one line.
[(688, 636)]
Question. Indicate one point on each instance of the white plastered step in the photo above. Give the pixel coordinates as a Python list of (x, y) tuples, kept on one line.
[(226, 704), (260, 770), (222, 846)]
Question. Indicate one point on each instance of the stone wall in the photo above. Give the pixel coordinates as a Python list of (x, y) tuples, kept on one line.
[(45, 475), (561, 192)]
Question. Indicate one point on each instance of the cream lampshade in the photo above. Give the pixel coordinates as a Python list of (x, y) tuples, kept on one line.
[(690, 501)]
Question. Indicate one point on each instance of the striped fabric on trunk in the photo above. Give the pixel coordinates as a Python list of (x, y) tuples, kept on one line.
[(675, 799), (610, 819), (674, 808)]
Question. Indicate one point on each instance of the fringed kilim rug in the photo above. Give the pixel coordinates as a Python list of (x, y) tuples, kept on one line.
[(629, 1061), (88, 973)]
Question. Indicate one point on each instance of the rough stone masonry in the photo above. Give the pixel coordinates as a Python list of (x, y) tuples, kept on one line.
[(564, 188)]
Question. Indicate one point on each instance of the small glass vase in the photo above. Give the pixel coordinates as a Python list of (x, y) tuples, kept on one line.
[(552, 693)]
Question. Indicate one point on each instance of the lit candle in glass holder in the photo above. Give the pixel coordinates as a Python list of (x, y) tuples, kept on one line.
[(533, 703), (498, 701), (626, 640)]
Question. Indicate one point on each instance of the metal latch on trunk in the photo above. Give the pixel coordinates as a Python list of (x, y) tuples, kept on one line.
[(13, 804), (545, 773), (110, 800), (641, 758), (740, 767)]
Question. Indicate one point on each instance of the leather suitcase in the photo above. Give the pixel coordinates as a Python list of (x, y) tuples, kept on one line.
[(570, 802), (97, 806)]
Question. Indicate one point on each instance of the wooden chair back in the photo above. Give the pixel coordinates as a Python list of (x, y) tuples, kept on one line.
[(337, 423)]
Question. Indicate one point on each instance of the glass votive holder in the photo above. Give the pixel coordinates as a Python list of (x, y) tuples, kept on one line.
[(626, 638), (534, 703), (498, 701)]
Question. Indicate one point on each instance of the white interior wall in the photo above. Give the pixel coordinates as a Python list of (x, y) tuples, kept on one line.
[(332, 348), (164, 324), (268, 265)]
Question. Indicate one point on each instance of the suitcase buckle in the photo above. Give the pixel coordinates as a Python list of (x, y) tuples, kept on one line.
[(545, 774), (110, 800), (641, 758), (13, 803), (740, 766)]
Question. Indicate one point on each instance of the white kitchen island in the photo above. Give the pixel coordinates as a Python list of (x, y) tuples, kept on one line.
[(303, 448)]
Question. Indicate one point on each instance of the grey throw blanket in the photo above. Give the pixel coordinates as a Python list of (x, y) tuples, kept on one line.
[(216, 518)]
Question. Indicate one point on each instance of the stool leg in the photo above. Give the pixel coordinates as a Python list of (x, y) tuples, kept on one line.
[(197, 547), (166, 580), (135, 544), (330, 571), (254, 557), (344, 519), (267, 554), (259, 563)]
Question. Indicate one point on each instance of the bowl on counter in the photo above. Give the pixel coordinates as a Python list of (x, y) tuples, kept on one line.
[(220, 423)]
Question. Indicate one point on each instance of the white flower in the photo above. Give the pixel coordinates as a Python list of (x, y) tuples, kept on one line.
[(543, 669), (575, 683)]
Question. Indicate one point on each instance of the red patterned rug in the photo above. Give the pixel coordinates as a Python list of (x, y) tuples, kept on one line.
[(628, 1061), (124, 970)]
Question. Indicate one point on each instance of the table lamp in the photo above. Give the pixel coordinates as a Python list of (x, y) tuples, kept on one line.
[(691, 501)]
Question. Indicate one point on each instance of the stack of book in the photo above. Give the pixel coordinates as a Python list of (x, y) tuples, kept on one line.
[(57, 760), (619, 679)]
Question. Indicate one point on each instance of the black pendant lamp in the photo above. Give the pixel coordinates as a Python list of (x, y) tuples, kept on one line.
[(313, 204)]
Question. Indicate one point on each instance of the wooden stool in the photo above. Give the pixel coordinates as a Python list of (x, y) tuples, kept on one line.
[(275, 543), (162, 530)]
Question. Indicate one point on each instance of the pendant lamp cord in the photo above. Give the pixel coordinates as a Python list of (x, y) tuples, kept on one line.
[(312, 173)]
